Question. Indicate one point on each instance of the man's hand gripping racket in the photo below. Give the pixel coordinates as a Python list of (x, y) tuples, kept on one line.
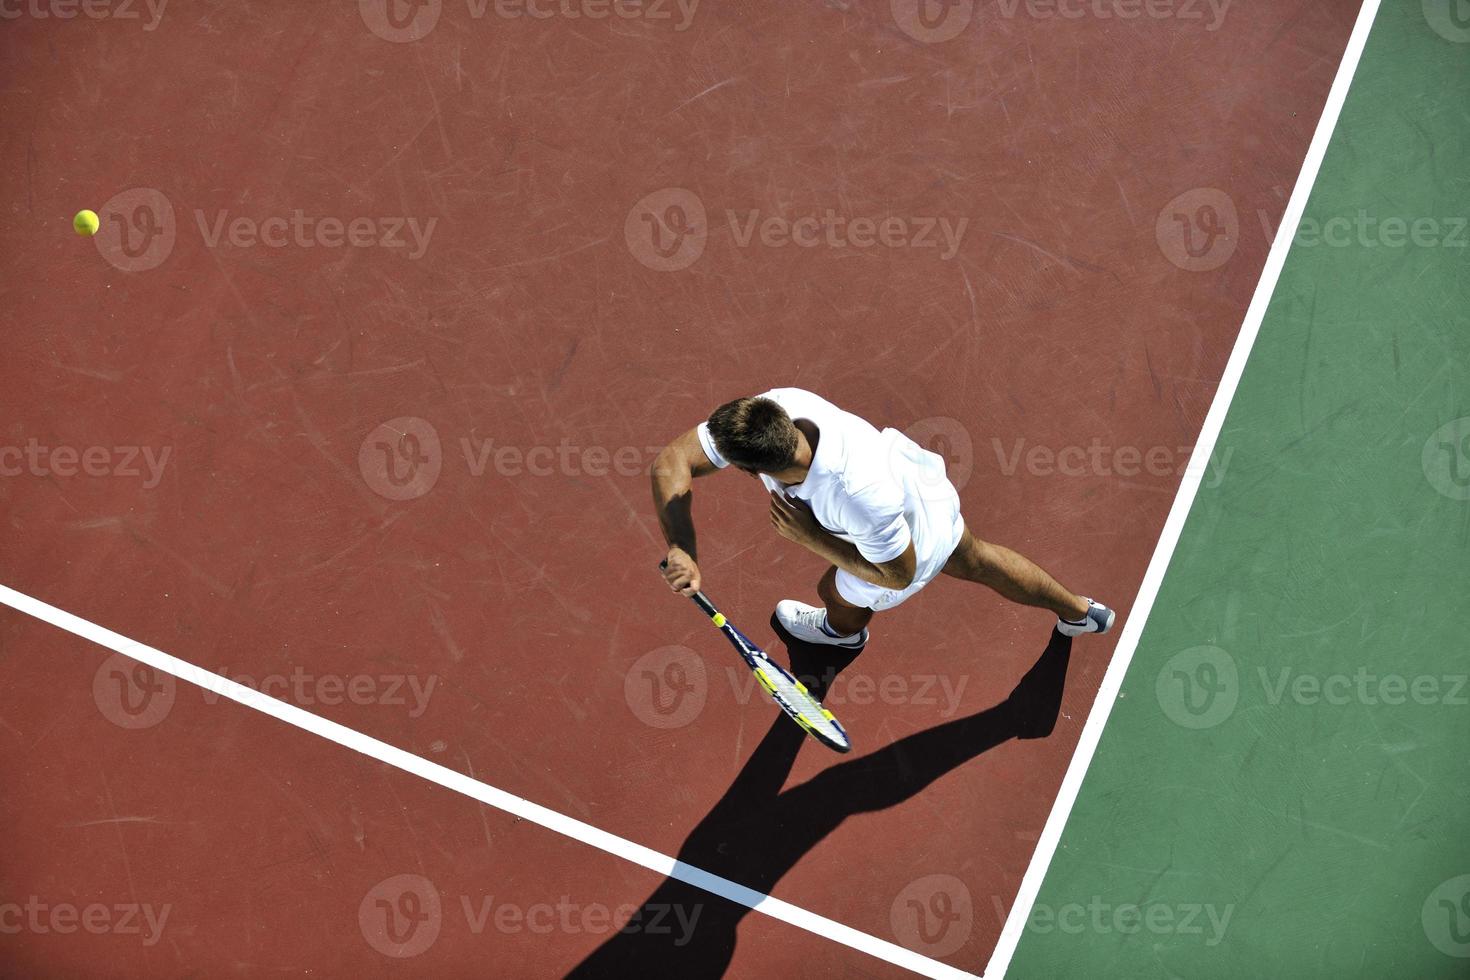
[(788, 692)]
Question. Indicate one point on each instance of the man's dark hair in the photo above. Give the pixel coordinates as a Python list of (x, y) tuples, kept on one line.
[(754, 434)]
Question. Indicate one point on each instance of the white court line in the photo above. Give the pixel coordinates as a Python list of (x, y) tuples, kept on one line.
[(1204, 447), (489, 795)]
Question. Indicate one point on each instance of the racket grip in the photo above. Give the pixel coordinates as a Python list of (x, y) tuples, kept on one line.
[(698, 597)]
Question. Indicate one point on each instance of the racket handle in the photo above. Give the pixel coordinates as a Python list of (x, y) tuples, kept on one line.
[(698, 597)]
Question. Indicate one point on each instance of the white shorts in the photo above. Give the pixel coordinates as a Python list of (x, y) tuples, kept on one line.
[(932, 508)]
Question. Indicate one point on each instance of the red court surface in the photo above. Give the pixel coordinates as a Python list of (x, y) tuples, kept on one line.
[(563, 314)]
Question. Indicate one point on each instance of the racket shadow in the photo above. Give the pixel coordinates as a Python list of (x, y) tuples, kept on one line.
[(757, 831)]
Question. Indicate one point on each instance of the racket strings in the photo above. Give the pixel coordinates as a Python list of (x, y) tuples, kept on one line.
[(789, 693), (806, 709)]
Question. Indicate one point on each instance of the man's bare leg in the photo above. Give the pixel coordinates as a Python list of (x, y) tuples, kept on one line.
[(1015, 577), (836, 623), (843, 617)]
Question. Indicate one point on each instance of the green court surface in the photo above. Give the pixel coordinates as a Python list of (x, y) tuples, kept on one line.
[(1283, 786)]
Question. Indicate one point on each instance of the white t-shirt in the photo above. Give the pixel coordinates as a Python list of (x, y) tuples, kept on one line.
[(852, 487)]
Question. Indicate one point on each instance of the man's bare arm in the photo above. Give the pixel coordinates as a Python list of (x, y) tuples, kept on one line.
[(897, 574), (793, 520), (673, 474)]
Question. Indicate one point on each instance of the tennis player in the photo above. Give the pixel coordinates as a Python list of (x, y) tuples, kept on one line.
[(876, 505)]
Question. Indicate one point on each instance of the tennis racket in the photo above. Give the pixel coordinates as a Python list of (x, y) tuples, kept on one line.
[(788, 692)]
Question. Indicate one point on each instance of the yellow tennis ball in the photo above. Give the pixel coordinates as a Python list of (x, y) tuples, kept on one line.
[(86, 222)]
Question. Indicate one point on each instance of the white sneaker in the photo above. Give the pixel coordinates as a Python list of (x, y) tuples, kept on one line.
[(806, 623), (1099, 619)]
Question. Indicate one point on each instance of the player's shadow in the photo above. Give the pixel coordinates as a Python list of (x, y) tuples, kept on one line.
[(758, 831)]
